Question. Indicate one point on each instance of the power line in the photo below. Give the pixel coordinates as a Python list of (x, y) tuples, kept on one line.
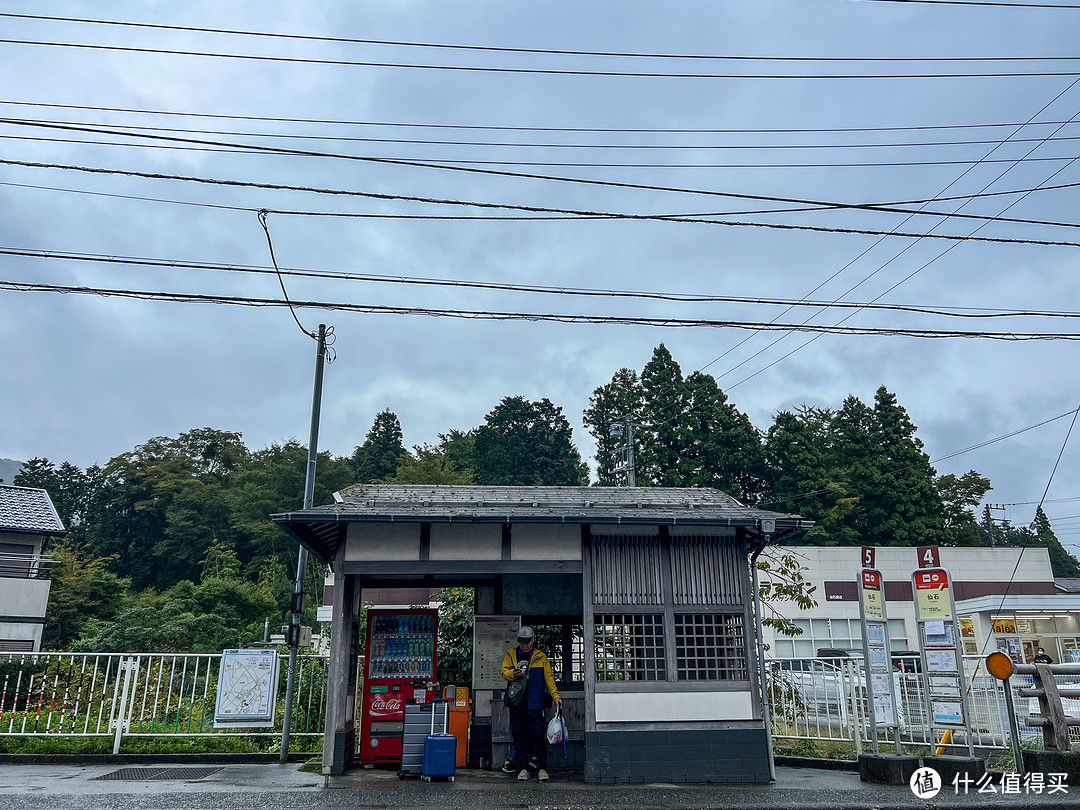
[(541, 51), (572, 213), (126, 130), (533, 176), (440, 161), (981, 3), (298, 60), (621, 320), (1057, 461), (688, 298), (881, 267), (497, 128)]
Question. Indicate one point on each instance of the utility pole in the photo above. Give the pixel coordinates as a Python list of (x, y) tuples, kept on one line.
[(624, 427), (301, 563)]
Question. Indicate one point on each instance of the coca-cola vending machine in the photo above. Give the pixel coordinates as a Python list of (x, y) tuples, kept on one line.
[(400, 666)]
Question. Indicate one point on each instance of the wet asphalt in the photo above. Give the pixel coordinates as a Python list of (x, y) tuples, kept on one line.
[(274, 786)]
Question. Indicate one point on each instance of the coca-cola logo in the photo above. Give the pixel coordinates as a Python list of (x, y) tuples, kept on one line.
[(386, 705)]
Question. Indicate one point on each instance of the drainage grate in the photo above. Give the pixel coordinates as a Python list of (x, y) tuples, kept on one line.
[(158, 774)]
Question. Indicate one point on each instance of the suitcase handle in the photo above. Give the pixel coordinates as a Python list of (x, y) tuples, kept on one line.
[(446, 715)]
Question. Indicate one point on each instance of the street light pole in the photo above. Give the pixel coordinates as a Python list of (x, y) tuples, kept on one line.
[(301, 563)]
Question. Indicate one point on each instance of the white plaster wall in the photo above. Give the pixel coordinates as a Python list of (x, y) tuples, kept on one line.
[(535, 541), (382, 541), (466, 541), (23, 597), (644, 707), (21, 632)]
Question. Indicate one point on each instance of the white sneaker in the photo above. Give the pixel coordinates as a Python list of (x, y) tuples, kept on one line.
[(542, 775), (523, 775)]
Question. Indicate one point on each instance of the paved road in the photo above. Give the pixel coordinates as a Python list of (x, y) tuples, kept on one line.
[(286, 787)]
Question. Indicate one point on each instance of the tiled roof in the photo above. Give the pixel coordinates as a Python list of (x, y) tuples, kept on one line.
[(322, 528), (28, 511), (1067, 584)]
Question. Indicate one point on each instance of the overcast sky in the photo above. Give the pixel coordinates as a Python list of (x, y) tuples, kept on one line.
[(84, 378)]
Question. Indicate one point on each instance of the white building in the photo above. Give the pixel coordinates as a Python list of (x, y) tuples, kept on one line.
[(27, 518), (1006, 598)]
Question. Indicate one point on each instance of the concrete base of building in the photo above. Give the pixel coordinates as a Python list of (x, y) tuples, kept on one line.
[(887, 769), (705, 755), (950, 768), (1067, 762)]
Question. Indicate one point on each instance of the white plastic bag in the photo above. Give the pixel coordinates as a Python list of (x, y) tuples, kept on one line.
[(556, 731)]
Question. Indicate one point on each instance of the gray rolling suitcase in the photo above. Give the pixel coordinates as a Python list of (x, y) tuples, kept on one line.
[(414, 732), (418, 726)]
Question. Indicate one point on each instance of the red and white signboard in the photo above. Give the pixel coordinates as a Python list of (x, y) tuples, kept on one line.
[(872, 601), (933, 601)]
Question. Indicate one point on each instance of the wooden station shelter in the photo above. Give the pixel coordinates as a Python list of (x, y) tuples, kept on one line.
[(658, 668)]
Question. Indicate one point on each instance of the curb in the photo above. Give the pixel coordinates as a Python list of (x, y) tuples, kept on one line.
[(817, 764), (136, 759)]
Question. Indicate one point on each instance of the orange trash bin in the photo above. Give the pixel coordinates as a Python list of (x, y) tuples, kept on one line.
[(459, 720)]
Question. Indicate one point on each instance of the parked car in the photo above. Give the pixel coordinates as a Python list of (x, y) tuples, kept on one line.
[(838, 656), (907, 661), (822, 689)]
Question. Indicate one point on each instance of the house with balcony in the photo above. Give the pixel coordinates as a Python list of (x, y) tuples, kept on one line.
[(27, 519)]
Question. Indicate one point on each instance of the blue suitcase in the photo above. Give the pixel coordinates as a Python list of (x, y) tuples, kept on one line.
[(440, 750)]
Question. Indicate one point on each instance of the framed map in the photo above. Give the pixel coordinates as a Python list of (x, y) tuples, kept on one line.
[(247, 689)]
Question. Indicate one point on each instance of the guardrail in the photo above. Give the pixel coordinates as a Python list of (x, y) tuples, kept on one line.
[(135, 695), (119, 695), (1051, 718), (25, 566), (825, 700)]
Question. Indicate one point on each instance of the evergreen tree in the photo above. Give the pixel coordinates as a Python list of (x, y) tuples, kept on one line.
[(907, 509), (523, 443), (83, 589), (721, 448), (1062, 562), (610, 403), (797, 461), (272, 482), (377, 458), (71, 490), (460, 450), (429, 465), (959, 497), (663, 408)]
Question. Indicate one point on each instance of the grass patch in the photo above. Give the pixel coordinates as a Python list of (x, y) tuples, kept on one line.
[(217, 744)]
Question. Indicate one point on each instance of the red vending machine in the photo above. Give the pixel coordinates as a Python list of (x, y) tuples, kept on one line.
[(400, 666)]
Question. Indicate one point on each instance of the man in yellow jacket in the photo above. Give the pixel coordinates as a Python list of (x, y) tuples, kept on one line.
[(527, 721)]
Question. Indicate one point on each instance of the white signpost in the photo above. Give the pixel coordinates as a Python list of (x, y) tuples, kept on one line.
[(939, 644), (880, 688)]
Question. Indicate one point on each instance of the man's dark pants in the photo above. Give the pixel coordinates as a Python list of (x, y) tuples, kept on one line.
[(528, 727)]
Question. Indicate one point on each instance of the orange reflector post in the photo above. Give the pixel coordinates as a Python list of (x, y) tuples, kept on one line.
[(999, 665)]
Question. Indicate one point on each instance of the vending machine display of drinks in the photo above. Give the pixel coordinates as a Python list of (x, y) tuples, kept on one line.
[(400, 665)]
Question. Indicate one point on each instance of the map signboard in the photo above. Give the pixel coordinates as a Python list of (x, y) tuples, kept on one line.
[(492, 637), (247, 689)]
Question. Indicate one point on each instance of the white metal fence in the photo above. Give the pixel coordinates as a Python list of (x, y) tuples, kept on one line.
[(825, 699), (120, 695), (125, 695)]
